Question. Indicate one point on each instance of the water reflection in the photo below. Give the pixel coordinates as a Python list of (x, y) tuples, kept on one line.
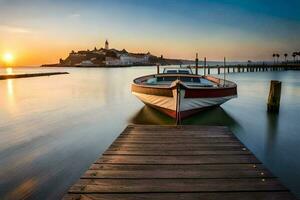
[(272, 129), (214, 116), (148, 115), (10, 87), (10, 95), (24, 190)]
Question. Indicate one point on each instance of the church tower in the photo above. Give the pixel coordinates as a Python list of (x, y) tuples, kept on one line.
[(106, 45)]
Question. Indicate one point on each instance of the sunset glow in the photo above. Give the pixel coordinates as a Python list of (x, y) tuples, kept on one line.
[(239, 30), (8, 58)]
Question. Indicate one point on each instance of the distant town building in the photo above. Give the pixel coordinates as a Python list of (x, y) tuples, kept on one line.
[(130, 58), (106, 45), (111, 61), (111, 57)]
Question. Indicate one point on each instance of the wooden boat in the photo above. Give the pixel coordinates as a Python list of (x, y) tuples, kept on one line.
[(179, 93)]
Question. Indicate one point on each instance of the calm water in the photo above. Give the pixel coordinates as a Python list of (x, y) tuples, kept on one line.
[(53, 128)]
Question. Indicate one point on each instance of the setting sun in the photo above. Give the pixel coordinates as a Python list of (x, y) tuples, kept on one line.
[(8, 57)]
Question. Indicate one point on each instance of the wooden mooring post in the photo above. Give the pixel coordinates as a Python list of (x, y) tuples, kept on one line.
[(274, 96)]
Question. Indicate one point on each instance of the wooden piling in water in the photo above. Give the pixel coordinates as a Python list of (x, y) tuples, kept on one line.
[(274, 96)]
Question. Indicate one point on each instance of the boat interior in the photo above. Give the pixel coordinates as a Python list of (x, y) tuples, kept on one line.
[(185, 75)]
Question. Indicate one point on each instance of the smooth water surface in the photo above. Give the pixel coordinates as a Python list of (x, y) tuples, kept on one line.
[(53, 128)]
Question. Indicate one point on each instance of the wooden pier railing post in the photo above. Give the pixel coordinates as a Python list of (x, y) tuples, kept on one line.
[(197, 61), (204, 66), (274, 96), (224, 70), (157, 68)]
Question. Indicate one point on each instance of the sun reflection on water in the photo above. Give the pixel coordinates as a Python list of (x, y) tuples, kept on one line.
[(10, 92), (10, 88)]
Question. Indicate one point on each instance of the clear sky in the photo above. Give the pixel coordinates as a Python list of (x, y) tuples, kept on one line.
[(42, 31)]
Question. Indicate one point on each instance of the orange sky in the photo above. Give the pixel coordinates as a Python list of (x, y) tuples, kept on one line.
[(35, 35)]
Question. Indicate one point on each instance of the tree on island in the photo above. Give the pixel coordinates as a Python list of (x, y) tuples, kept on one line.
[(295, 54), (274, 55), (277, 55), (285, 56)]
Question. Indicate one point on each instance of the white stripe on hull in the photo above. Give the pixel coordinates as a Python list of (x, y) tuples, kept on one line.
[(185, 103), (160, 101)]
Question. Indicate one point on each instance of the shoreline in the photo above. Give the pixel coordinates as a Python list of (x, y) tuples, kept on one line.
[(98, 66)]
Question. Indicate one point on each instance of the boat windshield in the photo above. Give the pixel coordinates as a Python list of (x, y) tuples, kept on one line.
[(177, 71), (189, 81)]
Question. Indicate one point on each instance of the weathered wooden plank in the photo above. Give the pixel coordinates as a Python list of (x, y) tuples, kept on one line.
[(175, 185), (176, 136), (177, 148), (177, 173), (174, 153), (177, 127), (166, 131), (175, 141), (175, 131), (183, 160), (180, 146), (277, 195), (232, 167)]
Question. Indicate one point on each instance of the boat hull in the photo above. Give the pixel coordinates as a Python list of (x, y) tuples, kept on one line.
[(190, 101)]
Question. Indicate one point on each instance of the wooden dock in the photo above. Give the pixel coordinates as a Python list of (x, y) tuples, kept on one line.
[(177, 162)]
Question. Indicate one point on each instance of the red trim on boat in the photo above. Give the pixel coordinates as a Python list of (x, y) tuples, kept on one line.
[(210, 93), (166, 92)]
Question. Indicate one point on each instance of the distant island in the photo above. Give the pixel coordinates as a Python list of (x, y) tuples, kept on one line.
[(106, 57)]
